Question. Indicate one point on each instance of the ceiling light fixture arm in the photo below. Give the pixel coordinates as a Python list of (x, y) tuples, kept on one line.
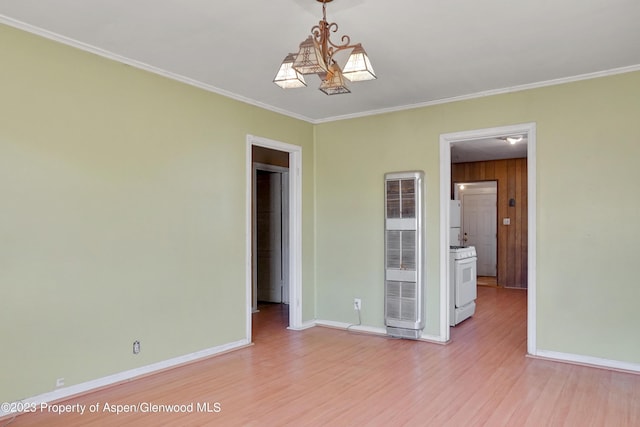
[(322, 34)]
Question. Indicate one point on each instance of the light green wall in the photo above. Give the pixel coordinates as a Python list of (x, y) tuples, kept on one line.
[(587, 207), (124, 197), (123, 215), (352, 157)]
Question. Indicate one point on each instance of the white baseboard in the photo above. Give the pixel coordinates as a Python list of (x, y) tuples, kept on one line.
[(332, 324), (373, 330), (305, 325), (579, 359), (435, 339), (66, 392), (352, 327)]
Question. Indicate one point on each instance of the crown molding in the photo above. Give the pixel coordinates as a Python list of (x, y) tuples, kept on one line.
[(511, 89), (210, 88), (143, 66)]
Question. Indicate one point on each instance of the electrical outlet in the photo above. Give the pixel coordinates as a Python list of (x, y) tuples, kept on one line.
[(136, 347), (357, 304), (60, 382)]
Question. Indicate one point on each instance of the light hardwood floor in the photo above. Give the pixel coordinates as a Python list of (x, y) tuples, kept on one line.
[(328, 377), (487, 281)]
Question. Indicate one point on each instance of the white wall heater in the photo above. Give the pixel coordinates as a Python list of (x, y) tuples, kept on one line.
[(404, 260)]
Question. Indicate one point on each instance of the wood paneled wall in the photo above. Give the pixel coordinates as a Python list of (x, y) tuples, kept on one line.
[(269, 156), (511, 175)]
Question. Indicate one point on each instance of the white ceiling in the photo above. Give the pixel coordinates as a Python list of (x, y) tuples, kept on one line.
[(478, 150), (423, 51)]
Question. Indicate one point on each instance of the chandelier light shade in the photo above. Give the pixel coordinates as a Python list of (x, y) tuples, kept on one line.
[(309, 59), (358, 66), (288, 77), (316, 56), (333, 83)]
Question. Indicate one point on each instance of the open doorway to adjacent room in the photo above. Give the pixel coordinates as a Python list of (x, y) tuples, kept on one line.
[(505, 157), (501, 210), (270, 241), (478, 225), (274, 242)]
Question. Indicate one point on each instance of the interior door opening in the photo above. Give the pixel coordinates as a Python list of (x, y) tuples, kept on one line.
[(270, 233), (479, 217), (270, 237), (270, 153), (519, 175)]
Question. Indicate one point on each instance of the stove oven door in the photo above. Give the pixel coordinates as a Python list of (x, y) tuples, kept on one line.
[(465, 281)]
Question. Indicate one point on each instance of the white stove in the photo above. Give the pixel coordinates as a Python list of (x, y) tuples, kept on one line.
[(463, 283), (462, 252)]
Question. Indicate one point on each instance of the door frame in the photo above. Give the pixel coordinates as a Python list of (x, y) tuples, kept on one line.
[(294, 229), (284, 189), (528, 129)]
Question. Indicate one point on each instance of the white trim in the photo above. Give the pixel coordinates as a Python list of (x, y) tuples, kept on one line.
[(372, 330), (445, 213), (433, 339), (210, 88), (295, 227), (305, 325), (351, 327), (528, 129), (332, 324), (66, 392), (595, 362), (143, 66), (500, 91), (532, 242), (270, 168)]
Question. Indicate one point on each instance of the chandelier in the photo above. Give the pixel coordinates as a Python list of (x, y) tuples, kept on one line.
[(316, 56)]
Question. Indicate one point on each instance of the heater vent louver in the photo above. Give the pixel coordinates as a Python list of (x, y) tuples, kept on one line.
[(404, 263), (401, 301), (401, 249)]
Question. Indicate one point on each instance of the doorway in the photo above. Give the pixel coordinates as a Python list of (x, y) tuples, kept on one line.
[(270, 234), (287, 178), (528, 131), (479, 222)]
